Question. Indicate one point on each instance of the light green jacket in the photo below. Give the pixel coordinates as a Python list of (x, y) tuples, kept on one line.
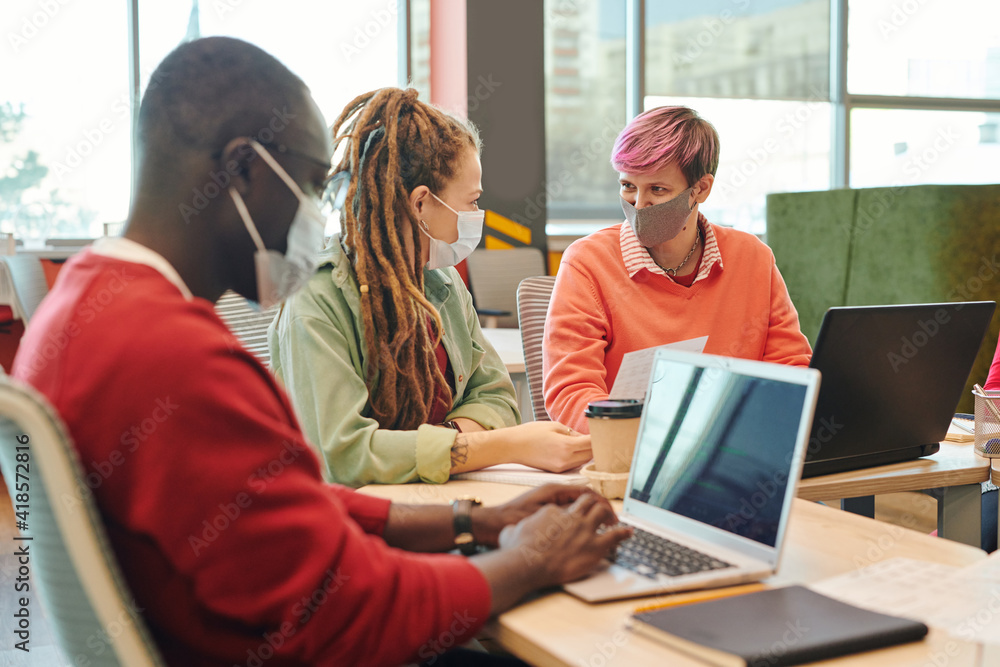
[(317, 352)]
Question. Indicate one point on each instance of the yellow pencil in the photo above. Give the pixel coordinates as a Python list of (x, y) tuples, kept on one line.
[(702, 596)]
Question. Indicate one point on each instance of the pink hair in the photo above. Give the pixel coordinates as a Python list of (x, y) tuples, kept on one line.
[(657, 137)]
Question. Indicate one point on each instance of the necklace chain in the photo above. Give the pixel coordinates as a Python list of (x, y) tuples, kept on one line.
[(673, 271)]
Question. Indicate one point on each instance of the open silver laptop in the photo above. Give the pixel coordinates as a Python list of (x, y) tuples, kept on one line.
[(717, 460)]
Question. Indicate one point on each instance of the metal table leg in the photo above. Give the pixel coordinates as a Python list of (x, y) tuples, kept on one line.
[(960, 512), (863, 505)]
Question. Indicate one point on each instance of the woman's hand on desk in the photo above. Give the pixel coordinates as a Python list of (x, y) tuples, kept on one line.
[(487, 522), (548, 445)]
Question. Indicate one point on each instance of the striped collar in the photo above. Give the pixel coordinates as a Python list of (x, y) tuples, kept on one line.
[(637, 257)]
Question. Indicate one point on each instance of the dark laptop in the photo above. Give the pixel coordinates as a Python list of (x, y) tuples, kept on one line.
[(892, 376)]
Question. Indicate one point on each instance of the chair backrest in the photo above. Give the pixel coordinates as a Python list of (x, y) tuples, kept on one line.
[(495, 274), (533, 295), (23, 284), (249, 325), (70, 558)]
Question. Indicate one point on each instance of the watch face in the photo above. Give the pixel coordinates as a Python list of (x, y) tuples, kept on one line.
[(464, 538)]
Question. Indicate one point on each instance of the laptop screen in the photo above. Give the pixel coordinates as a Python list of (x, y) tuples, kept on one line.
[(717, 446)]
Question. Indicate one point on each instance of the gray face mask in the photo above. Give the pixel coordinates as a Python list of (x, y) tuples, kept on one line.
[(658, 224)]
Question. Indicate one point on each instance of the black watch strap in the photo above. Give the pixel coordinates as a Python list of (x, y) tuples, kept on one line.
[(465, 541)]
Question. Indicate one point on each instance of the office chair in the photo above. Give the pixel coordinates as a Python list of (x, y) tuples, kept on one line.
[(249, 325), (23, 279), (74, 570), (533, 295), (493, 279)]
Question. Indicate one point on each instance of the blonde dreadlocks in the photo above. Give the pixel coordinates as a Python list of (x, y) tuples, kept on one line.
[(396, 143)]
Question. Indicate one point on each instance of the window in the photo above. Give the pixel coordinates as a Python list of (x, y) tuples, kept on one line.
[(899, 93), (765, 146), (339, 49), (907, 147), (65, 119), (584, 104), (776, 49), (924, 49)]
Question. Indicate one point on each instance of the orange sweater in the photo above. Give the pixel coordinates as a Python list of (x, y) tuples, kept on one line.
[(598, 314)]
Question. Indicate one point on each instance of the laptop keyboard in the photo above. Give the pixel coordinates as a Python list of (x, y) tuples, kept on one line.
[(649, 555)]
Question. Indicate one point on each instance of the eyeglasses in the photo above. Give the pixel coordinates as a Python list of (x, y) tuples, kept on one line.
[(282, 148)]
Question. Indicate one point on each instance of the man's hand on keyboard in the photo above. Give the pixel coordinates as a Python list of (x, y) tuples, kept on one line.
[(563, 544)]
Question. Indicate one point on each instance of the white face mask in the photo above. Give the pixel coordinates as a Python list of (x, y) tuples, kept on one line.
[(470, 230), (279, 276)]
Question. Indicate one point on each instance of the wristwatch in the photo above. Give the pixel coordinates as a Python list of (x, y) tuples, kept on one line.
[(461, 508)]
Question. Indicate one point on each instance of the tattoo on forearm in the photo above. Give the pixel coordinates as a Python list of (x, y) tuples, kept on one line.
[(459, 451)]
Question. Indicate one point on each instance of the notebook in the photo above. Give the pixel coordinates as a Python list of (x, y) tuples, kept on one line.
[(713, 476), (892, 376), (781, 626)]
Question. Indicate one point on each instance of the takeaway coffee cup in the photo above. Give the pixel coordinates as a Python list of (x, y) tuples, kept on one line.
[(614, 425)]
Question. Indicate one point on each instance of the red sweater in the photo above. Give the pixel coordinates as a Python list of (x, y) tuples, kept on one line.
[(598, 313), (229, 539), (993, 379)]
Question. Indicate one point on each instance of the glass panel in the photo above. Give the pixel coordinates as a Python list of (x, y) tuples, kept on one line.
[(904, 147), (765, 146), (738, 48), (64, 119), (917, 48), (584, 104), (420, 47), (339, 49)]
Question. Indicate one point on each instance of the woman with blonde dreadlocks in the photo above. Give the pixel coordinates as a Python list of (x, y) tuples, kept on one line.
[(382, 353)]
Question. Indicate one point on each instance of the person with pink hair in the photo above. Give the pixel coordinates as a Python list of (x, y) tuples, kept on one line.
[(664, 275)]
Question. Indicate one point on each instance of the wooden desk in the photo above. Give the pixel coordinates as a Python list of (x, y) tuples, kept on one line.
[(507, 343), (955, 473), (557, 629)]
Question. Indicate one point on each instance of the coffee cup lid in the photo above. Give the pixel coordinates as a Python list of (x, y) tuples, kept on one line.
[(614, 408)]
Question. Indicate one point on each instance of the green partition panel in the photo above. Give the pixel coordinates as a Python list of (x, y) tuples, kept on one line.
[(810, 235), (917, 244)]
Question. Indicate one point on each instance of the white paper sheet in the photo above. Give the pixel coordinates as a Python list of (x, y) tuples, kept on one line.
[(515, 473), (962, 601), (633, 375)]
